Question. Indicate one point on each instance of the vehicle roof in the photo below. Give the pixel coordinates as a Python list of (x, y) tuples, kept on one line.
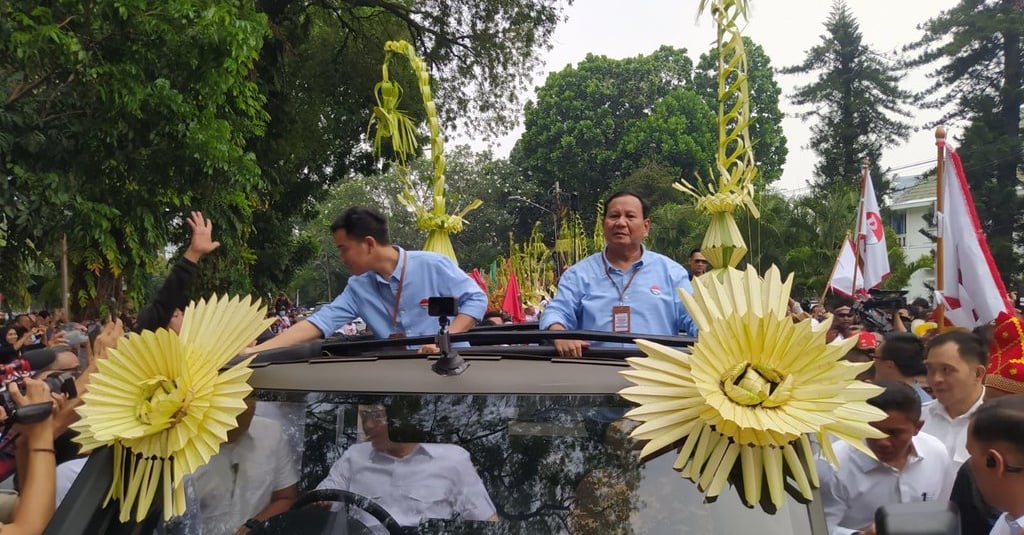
[(485, 375), (522, 365)]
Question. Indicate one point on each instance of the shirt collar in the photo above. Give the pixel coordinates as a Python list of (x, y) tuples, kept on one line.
[(403, 258), (940, 410), (420, 449), (866, 463), (636, 265), (1013, 524)]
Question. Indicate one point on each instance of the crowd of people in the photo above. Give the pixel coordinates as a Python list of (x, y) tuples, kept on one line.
[(954, 412)]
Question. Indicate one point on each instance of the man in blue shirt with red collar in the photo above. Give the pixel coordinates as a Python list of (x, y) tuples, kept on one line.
[(389, 287), (625, 288)]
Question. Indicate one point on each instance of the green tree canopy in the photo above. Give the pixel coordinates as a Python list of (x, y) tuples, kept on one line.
[(856, 102), (976, 51), (576, 127), (679, 132), (319, 69), (116, 119)]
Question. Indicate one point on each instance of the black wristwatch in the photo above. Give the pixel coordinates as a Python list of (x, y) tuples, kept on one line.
[(252, 523)]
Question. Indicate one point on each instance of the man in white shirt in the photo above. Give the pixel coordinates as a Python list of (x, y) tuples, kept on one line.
[(910, 467), (996, 443), (413, 481), (251, 479), (955, 361)]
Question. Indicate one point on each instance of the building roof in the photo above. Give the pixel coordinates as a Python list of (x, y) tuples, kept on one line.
[(918, 193)]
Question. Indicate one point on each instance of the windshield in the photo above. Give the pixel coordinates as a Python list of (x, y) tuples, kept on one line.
[(509, 464)]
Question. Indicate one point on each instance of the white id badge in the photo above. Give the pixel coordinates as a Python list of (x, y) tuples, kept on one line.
[(620, 319)]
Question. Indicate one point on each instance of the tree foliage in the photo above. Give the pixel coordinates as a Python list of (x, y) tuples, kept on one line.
[(117, 118), (679, 132), (976, 50), (594, 125), (319, 70), (576, 128), (856, 102)]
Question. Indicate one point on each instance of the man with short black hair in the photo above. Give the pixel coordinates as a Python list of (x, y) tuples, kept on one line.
[(1004, 377), (389, 287), (900, 358), (995, 441), (625, 288), (698, 263), (955, 361), (909, 466)]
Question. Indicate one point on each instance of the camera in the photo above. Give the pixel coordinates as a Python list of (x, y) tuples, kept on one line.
[(15, 373), (442, 306), (886, 299), (876, 312)]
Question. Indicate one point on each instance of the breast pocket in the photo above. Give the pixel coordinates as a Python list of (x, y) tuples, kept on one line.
[(429, 501)]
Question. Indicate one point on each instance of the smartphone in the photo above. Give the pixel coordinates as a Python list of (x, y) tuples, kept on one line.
[(112, 308)]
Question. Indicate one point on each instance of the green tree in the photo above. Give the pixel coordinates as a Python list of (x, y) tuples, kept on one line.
[(319, 68), (814, 231), (679, 133), (856, 102), (976, 50), (478, 175), (675, 230), (654, 182), (576, 127), (116, 119), (765, 116)]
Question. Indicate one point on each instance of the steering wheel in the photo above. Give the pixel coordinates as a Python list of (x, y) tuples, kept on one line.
[(345, 497)]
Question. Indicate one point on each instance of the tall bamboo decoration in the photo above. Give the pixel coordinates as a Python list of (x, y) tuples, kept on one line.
[(394, 123), (723, 244)]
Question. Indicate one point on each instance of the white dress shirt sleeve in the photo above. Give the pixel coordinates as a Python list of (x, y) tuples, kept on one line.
[(473, 502), (834, 498), (340, 474), (286, 473)]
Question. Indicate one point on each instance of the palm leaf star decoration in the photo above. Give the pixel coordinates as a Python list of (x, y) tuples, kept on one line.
[(162, 402), (752, 391)]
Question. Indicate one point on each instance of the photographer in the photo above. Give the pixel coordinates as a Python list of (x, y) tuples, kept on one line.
[(36, 455)]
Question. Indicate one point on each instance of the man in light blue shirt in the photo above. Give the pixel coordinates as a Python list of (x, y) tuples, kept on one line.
[(389, 287), (625, 288)]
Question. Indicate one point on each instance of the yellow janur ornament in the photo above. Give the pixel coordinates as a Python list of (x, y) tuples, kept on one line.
[(754, 388), (161, 401)]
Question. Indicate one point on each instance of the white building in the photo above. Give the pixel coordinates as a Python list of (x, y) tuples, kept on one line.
[(912, 210)]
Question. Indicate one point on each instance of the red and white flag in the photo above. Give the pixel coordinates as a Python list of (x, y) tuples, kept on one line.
[(972, 289), (846, 269), (513, 301), (874, 254)]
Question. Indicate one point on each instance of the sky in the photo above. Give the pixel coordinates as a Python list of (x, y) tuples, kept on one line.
[(786, 29)]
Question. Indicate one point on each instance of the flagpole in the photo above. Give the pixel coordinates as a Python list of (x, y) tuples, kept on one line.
[(940, 168), (835, 267), (860, 223)]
